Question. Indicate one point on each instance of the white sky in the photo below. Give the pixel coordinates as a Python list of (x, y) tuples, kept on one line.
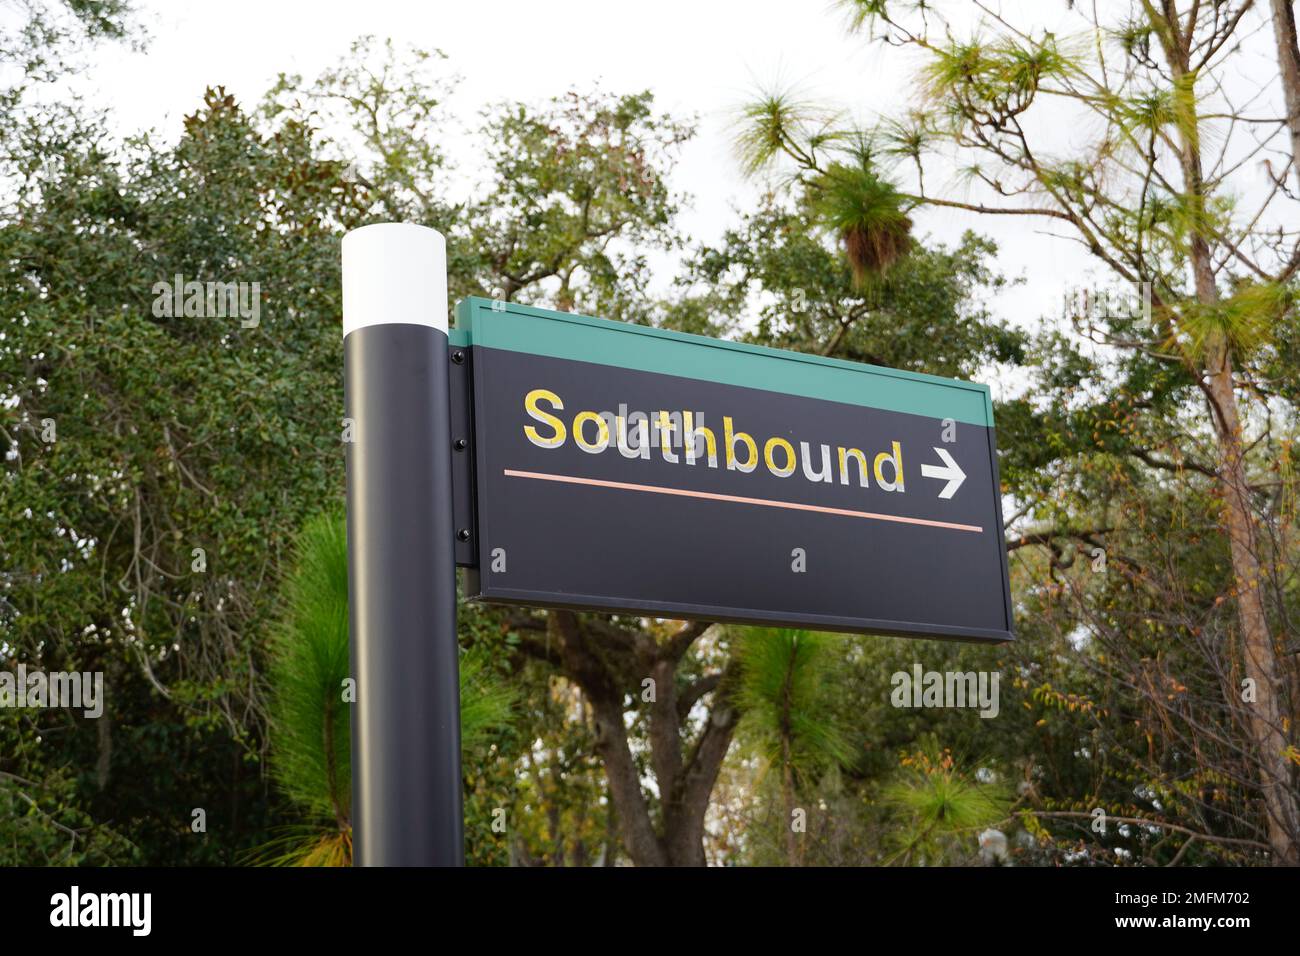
[(703, 57)]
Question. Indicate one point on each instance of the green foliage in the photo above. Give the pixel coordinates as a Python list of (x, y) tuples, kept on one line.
[(132, 440), (42, 823), (785, 697), (52, 37), (486, 704), (867, 212), (940, 807), (773, 124), (309, 665), (1129, 488), (1245, 320), (1001, 74), (579, 193), (386, 120), (929, 314)]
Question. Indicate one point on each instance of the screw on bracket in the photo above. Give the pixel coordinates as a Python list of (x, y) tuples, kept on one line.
[(460, 444), (458, 357), (462, 534)]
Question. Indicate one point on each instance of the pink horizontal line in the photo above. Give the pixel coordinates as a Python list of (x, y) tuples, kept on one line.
[(767, 502)]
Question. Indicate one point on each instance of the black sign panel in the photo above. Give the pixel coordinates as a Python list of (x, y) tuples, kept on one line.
[(603, 482)]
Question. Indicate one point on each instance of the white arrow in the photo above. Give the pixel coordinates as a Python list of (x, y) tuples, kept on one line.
[(949, 471)]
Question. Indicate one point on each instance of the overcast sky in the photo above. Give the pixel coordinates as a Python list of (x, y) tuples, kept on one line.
[(702, 57)]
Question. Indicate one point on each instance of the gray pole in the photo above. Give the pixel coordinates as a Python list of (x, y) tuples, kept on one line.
[(406, 781)]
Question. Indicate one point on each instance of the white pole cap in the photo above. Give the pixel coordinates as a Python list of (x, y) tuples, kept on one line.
[(394, 272)]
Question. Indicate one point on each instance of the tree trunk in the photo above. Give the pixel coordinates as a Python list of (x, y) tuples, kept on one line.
[(684, 786), (1260, 655), (787, 762), (684, 813), (1264, 718), (1288, 62), (787, 793), (639, 837)]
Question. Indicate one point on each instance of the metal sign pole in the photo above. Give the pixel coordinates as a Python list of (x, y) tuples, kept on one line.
[(406, 779)]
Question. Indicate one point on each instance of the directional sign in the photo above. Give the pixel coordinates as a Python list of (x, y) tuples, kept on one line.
[(624, 468)]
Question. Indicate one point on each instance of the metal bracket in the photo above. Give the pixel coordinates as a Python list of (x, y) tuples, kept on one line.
[(460, 360)]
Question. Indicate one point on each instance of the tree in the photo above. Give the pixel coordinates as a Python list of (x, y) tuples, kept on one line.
[(940, 807), (575, 190), (1150, 196), (579, 194), (1288, 62), (788, 714), (160, 463), (927, 315)]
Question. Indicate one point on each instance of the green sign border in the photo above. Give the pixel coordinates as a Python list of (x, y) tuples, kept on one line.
[(565, 335)]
